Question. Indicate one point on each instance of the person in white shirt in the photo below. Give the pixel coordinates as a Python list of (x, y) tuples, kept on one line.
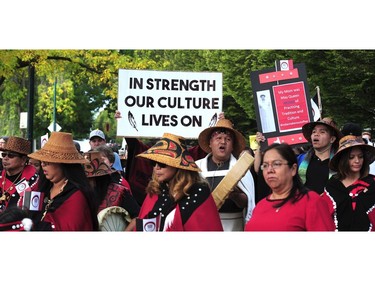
[(224, 144)]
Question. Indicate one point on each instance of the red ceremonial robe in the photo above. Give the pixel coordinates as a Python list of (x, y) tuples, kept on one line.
[(194, 212), (28, 181), (68, 211), (119, 195)]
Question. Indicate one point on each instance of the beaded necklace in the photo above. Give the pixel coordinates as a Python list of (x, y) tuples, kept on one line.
[(50, 200), (5, 193)]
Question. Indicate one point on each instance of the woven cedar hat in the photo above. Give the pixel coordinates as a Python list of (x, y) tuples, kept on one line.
[(309, 127), (59, 148), (348, 142), (16, 144), (96, 167), (171, 150), (204, 137)]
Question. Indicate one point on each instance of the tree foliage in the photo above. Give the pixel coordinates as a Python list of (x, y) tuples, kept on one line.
[(85, 82)]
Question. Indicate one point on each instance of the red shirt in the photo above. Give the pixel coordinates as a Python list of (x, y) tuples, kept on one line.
[(310, 213)]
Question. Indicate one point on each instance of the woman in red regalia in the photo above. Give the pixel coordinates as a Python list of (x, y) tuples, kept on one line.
[(178, 198), (68, 199), (17, 177)]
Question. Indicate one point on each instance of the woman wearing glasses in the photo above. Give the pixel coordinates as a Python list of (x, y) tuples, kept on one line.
[(290, 206), (178, 198), (17, 177)]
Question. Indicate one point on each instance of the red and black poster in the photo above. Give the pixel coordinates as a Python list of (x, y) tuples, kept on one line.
[(282, 102)]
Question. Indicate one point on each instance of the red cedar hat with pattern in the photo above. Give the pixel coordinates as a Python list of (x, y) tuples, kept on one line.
[(18, 145), (59, 148), (171, 150), (239, 142), (348, 142), (97, 167)]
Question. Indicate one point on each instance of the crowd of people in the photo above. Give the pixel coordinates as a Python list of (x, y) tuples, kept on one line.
[(326, 184)]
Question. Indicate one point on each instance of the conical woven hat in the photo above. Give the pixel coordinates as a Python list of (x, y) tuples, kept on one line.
[(59, 148), (171, 150), (96, 167), (19, 145), (239, 142)]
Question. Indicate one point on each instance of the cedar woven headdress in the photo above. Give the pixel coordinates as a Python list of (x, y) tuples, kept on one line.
[(96, 167), (16, 144), (239, 142), (171, 150), (309, 127), (59, 148), (348, 142)]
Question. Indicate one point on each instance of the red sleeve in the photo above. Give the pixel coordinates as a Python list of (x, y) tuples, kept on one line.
[(329, 202), (318, 217), (138, 170)]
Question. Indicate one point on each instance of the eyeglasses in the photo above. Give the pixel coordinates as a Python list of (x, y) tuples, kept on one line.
[(10, 155), (274, 165), (161, 165)]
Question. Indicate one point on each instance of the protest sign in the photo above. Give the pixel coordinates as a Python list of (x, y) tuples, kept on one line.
[(154, 102), (282, 102)]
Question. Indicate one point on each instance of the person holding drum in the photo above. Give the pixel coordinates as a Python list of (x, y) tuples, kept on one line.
[(107, 191)]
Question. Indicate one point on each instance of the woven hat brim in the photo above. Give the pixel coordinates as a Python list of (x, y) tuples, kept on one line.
[(18, 145), (59, 157), (333, 163), (309, 127), (15, 150), (167, 160), (239, 143), (100, 173)]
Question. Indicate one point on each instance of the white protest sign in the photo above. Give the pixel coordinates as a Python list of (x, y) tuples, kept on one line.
[(156, 102)]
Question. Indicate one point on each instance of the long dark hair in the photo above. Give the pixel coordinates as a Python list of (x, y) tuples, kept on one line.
[(343, 167), (75, 174), (298, 189)]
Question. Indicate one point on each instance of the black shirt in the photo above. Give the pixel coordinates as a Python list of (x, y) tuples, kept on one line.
[(317, 174)]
